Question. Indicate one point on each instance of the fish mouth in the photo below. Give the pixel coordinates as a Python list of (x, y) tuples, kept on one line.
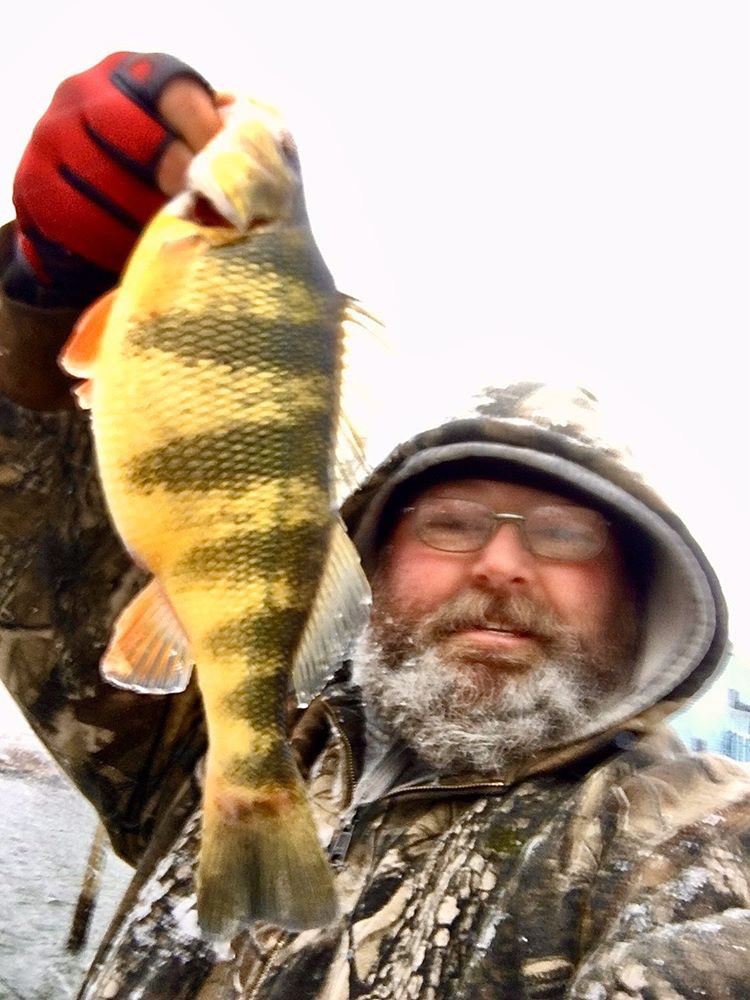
[(248, 175), (204, 213)]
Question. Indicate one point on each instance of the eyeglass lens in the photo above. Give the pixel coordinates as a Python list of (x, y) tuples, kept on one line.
[(555, 531)]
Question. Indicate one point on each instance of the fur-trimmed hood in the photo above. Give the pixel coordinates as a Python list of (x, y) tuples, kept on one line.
[(555, 437)]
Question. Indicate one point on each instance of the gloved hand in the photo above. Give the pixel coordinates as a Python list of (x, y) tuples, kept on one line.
[(113, 144)]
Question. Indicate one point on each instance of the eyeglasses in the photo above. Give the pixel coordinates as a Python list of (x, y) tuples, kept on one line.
[(553, 531)]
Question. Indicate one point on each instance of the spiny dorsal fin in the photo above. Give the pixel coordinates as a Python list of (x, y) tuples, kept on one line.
[(149, 651), (364, 349), (339, 612)]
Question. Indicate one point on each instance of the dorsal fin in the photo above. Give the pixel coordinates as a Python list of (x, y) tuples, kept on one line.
[(339, 612), (364, 351)]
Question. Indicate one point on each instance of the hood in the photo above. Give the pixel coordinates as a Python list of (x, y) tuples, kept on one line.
[(555, 438)]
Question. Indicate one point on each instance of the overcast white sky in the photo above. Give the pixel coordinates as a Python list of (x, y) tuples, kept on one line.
[(539, 190)]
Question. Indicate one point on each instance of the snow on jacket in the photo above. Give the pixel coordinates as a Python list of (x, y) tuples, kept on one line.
[(618, 866)]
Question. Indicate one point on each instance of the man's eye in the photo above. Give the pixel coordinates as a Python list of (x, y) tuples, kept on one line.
[(564, 532), (449, 524)]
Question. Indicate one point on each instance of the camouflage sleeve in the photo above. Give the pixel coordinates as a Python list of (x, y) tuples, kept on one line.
[(670, 912), (63, 578)]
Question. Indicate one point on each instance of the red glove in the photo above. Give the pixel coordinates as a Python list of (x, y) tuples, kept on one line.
[(86, 184)]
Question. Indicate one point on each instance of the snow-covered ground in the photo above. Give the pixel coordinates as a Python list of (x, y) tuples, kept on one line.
[(46, 829)]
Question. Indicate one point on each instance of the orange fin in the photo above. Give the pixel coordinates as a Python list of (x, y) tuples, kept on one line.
[(149, 651), (82, 347), (83, 392)]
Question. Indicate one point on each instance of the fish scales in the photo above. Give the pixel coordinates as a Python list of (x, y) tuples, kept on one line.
[(243, 661), (215, 428), (234, 453), (275, 572), (281, 321)]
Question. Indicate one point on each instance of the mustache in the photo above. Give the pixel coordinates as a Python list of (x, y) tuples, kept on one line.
[(512, 613)]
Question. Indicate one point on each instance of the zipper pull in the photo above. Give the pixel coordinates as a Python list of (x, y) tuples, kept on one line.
[(339, 846)]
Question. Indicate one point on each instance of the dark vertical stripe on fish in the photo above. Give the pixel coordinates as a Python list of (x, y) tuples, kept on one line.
[(280, 344), (283, 550), (230, 459), (285, 310), (271, 633)]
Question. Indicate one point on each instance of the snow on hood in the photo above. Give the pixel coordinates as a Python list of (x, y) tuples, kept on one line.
[(555, 437)]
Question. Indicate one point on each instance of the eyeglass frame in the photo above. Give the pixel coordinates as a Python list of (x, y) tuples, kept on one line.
[(501, 518)]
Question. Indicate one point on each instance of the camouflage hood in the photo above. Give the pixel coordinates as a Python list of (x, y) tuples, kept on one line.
[(554, 438)]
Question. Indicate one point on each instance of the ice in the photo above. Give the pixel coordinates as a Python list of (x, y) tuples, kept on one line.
[(46, 828)]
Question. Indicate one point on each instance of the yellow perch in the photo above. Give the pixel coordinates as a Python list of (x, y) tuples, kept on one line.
[(215, 380)]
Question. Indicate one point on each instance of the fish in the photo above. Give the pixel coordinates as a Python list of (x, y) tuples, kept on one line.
[(217, 378)]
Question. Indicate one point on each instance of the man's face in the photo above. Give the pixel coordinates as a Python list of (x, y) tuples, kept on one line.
[(416, 580), (499, 632)]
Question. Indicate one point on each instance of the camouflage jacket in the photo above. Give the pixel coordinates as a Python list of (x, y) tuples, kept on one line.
[(618, 867)]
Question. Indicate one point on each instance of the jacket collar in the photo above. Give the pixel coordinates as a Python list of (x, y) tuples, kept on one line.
[(377, 766)]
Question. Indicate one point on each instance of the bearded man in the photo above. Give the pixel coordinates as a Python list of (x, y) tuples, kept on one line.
[(507, 630), (505, 810)]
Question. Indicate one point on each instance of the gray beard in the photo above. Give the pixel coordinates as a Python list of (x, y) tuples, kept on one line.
[(462, 712)]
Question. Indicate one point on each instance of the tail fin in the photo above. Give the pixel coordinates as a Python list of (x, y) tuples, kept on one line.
[(261, 859)]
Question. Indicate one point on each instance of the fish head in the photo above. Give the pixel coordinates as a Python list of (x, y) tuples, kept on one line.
[(249, 172)]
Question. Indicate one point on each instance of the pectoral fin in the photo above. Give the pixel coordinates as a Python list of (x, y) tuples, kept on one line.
[(149, 651), (78, 356), (340, 611)]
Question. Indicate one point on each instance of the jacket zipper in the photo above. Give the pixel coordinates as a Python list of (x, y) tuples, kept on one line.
[(339, 847), (475, 786), (348, 755)]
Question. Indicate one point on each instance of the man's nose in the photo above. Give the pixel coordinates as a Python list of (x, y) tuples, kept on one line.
[(504, 561)]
